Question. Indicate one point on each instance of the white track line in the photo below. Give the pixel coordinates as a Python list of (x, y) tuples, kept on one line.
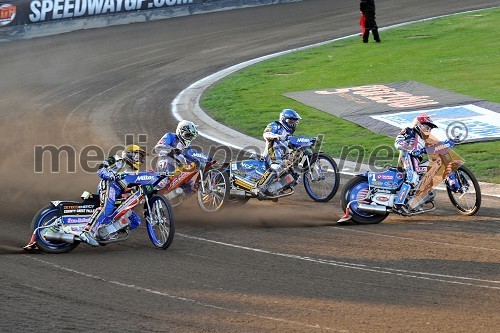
[(415, 239), (375, 269), (180, 298)]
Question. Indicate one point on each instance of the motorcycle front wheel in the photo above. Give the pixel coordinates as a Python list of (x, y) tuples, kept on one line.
[(46, 216), (214, 191), (160, 222), (322, 180), (466, 197)]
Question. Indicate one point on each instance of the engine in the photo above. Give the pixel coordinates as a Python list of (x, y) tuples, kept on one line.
[(283, 183), (383, 197)]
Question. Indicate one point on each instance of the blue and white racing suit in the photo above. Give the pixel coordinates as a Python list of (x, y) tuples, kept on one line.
[(276, 136), (171, 156), (171, 151), (109, 190), (408, 140)]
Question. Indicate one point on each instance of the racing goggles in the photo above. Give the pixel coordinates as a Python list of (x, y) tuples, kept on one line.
[(188, 135)]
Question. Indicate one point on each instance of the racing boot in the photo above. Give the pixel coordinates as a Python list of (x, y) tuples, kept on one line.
[(430, 196), (278, 169), (405, 210), (416, 203), (263, 189), (275, 171), (87, 237), (189, 188)]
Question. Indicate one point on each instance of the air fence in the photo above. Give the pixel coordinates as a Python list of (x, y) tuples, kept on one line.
[(24, 19)]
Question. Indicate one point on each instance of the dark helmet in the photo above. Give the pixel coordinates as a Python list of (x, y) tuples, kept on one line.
[(134, 156), (289, 119)]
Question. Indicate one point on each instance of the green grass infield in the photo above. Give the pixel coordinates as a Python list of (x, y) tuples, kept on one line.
[(460, 53)]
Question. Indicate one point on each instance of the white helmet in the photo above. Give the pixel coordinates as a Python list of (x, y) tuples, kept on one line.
[(186, 131)]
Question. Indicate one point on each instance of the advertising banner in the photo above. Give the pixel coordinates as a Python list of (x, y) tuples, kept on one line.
[(24, 12), (25, 19), (8, 14), (386, 108)]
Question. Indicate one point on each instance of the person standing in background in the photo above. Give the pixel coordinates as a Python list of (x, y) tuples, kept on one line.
[(367, 21)]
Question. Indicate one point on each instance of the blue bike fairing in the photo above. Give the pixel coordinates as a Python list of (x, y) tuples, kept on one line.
[(250, 170), (193, 155), (301, 141)]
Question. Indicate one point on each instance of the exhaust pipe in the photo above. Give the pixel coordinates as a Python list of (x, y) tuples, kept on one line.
[(381, 210), (237, 193), (58, 237)]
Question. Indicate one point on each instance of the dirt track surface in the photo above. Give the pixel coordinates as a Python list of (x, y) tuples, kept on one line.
[(264, 267)]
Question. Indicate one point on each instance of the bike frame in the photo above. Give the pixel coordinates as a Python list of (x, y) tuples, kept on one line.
[(186, 176)]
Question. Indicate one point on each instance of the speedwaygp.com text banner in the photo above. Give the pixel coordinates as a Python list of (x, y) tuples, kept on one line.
[(38, 11)]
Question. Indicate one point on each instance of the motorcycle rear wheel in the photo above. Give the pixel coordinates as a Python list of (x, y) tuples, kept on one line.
[(46, 216), (160, 222), (356, 189), (467, 203)]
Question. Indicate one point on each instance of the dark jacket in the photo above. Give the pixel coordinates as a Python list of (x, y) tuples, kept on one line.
[(366, 6)]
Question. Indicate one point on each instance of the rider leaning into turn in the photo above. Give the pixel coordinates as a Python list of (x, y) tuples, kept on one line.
[(171, 148), (110, 188), (413, 140), (277, 135)]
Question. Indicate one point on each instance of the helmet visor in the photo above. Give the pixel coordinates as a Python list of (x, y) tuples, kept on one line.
[(188, 135), (138, 156), (292, 122)]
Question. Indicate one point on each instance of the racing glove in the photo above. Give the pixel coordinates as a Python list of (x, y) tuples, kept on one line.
[(181, 158), (450, 143), (284, 137), (418, 152), (106, 174)]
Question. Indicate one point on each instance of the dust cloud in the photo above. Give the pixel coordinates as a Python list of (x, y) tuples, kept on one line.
[(30, 178)]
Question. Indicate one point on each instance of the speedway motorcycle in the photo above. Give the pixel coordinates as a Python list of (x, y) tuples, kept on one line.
[(370, 197), (197, 172), (57, 226), (303, 161)]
